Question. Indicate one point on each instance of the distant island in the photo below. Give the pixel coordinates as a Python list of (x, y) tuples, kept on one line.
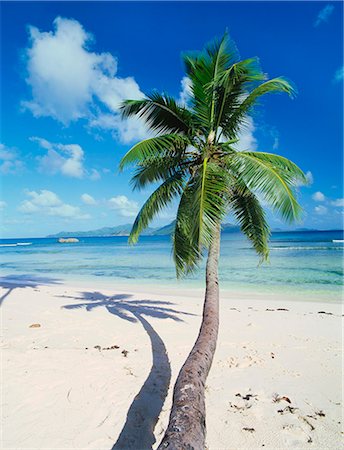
[(124, 230)]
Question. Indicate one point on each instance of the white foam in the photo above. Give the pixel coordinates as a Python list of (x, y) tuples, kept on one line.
[(16, 244)]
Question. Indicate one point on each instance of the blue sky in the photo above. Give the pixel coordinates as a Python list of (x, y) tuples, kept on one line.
[(67, 65)]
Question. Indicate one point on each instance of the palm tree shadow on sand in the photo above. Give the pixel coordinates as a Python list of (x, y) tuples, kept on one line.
[(138, 430), (11, 282)]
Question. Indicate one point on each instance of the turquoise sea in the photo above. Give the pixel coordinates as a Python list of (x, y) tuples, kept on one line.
[(300, 262)]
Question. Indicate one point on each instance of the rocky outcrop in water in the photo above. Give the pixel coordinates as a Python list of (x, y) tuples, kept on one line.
[(68, 240)]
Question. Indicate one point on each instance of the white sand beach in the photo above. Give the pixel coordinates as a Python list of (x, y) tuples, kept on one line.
[(98, 368)]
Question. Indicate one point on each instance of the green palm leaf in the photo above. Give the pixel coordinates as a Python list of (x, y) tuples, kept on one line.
[(232, 84), (186, 252), (157, 169), (295, 174), (273, 182), (167, 144), (160, 112), (202, 68), (202, 208), (220, 58), (160, 198), (251, 217), (232, 121)]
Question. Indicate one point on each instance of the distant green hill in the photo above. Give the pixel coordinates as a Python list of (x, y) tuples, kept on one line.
[(119, 230), (167, 229), (124, 230), (229, 228)]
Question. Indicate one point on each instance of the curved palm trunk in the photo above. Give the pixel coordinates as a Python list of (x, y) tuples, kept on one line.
[(186, 428)]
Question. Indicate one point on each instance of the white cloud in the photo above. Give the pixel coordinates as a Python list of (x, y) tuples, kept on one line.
[(73, 166), (112, 90), (44, 198), (339, 74), (125, 207), (186, 92), (88, 199), (132, 129), (94, 175), (126, 130), (2, 204), (324, 15), (6, 153), (318, 196), (67, 211), (320, 210), (69, 82), (47, 202), (66, 159), (309, 177), (276, 143), (60, 71), (309, 180), (28, 207), (9, 161), (247, 141), (338, 202)]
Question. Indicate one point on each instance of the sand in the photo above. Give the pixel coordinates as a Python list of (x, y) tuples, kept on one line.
[(94, 368)]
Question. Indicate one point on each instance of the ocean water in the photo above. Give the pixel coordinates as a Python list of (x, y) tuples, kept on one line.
[(300, 262)]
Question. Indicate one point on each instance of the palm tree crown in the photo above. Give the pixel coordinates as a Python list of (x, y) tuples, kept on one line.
[(194, 158)]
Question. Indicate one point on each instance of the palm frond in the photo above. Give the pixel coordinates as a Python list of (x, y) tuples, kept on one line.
[(232, 84), (221, 52), (232, 121), (157, 169), (274, 183), (167, 144), (209, 188), (202, 207), (160, 198), (245, 71), (202, 68), (296, 176), (220, 57), (186, 252), (251, 217), (160, 112)]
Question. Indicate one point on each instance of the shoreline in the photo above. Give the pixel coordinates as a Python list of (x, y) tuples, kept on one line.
[(190, 288), (275, 381)]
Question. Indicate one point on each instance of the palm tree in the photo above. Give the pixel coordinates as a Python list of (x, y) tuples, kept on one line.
[(194, 157)]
